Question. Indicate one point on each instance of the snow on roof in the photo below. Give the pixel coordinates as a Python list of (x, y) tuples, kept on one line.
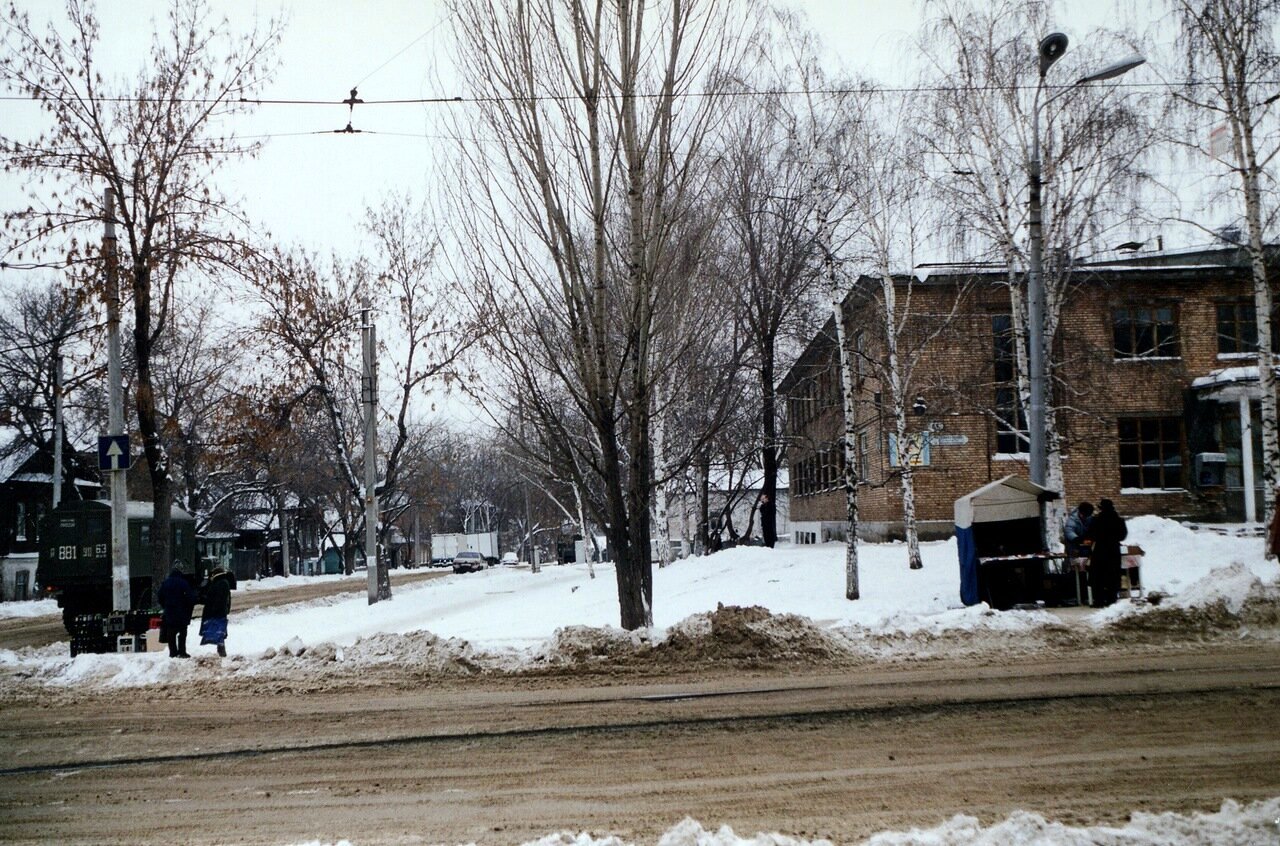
[(1226, 376), (10, 463), (140, 510)]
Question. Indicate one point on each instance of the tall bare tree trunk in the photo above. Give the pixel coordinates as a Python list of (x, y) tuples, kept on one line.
[(661, 503), (905, 458), (852, 590)]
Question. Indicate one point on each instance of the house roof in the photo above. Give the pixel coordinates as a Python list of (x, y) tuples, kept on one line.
[(12, 462)]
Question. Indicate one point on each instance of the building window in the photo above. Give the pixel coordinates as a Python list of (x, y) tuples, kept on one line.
[(1145, 331), (144, 533), (1012, 433), (864, 462), (1150, 452), (20, 522), (1237, 328)]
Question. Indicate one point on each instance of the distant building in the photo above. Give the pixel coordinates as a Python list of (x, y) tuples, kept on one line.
[(1156, 380)]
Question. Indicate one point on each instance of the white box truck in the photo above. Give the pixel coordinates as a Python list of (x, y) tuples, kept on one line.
[(445, 545)]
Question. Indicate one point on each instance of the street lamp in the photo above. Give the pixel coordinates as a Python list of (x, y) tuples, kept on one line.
[(1052, 47)]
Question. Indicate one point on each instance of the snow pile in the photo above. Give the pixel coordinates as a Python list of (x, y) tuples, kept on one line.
[(423, 652), (1234, 825), (585, 645), (1225, 599), (30, 608), (1255, 824), (751, 634)]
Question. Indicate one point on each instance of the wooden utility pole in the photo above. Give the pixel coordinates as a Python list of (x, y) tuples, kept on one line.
[(57, 428), (120, 600), (379, 587)]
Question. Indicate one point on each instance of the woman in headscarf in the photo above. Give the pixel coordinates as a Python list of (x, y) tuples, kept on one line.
[(217, 607)]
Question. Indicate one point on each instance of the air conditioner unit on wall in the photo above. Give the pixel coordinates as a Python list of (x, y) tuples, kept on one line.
[(1211, 469)]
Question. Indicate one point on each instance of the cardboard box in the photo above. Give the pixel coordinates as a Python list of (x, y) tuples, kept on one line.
[(153, 641)]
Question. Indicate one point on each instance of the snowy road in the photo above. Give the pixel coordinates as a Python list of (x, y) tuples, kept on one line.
[(1084, 740)]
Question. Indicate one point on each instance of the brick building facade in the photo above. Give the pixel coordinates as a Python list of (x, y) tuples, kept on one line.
[(1154, 382)]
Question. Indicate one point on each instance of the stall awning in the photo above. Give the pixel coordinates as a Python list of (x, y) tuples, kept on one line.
[(1010, 498)]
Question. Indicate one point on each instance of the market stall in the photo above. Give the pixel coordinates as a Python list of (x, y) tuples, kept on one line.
[(1002, 558)]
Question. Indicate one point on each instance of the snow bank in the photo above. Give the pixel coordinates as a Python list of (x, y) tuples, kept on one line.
[(1255, 824), (1234, 825), (29, 608), (749, 604)]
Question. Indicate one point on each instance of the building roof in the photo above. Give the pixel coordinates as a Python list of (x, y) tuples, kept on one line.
[(12, 462)]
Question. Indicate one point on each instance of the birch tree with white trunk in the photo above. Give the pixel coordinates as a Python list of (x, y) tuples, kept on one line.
[(983, 67), (1232, 65)]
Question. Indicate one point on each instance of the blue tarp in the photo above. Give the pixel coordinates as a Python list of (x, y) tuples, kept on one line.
[(968, 552)]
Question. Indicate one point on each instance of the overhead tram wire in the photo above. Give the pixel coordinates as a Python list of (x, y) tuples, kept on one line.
[(908, 90)]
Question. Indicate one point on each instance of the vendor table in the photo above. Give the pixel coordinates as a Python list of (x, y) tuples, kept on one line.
[(1008, 580)]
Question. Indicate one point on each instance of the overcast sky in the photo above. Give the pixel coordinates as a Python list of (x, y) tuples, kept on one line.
[(312, 188)]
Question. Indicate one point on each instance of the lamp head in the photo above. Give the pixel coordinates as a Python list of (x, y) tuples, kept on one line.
[(1113, 70), (1052, 46)]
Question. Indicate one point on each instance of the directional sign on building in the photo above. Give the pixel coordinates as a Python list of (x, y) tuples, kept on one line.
[(113, 452)]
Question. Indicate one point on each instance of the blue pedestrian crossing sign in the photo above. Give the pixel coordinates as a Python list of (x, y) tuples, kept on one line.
[(113, 452)]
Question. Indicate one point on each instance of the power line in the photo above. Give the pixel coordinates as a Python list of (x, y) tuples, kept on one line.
[(745, 92)]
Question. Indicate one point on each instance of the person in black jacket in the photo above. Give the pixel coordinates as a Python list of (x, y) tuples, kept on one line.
[(768, 520), (217, 607), (1106, 531), (178, 599)]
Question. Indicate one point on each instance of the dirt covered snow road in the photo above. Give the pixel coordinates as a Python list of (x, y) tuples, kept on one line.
[(808, 751)]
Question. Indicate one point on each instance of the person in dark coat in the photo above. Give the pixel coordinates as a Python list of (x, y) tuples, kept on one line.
[(768, 520), (217, 607), (1106, 532), (178, 599)]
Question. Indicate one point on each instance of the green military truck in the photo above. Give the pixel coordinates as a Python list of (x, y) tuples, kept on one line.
[(75, 558)]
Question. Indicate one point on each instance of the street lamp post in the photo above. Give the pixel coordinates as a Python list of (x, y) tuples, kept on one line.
[(1052, 47)]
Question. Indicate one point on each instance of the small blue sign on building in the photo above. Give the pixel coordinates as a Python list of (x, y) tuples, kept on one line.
[(113, 452)]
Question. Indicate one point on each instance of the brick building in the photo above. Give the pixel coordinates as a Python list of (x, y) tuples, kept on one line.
[(1155, 380)]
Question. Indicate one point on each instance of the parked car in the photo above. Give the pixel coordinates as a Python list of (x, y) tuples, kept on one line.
[(468, 561), (510, 558)]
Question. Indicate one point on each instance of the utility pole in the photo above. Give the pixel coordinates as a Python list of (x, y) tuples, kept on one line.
[(57, 428), (417, 536), (378, 587), (115, 416), (281, 508)]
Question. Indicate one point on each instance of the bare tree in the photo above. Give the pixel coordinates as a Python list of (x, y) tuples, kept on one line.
[(193, 364), (1232, 63), (157, 143), (777, 183), (574, 213), (310, 314), (979, 128), (38, 324)]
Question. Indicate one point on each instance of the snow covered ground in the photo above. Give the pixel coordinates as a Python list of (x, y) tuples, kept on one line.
[(512, 612)]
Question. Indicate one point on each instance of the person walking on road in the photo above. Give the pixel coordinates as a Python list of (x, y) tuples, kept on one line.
[(217, 607), (178, 599), (1106, 531)]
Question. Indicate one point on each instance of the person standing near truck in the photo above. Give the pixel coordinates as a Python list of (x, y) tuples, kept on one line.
[(178, 599), (217, 607)]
